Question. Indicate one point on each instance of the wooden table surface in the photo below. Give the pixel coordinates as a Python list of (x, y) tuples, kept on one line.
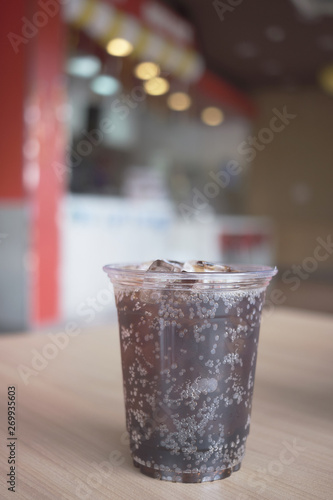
[(71, 441)]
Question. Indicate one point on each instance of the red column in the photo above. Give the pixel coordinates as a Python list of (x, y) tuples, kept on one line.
[(46, 97), (32, 138)]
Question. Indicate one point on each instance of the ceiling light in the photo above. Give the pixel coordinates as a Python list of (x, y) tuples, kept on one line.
[(212, 116), (179, 101), (105, 85), (326, 78), (83, 66), (156, 86), (146, 70), (119, 47)]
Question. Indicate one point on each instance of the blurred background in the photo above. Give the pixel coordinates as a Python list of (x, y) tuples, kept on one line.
[(134, 129)]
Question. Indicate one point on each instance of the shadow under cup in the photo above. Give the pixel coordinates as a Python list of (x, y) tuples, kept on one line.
[(188, 348)]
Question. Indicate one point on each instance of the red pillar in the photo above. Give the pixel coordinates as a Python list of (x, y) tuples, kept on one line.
[(33, 96)]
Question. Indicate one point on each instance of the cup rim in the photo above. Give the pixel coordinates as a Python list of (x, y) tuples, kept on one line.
[(244, 273)]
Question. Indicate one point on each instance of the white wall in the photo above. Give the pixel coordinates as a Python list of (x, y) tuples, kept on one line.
[(97, 231)]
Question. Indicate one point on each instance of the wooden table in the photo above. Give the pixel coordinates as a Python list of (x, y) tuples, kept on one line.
[(71, 441)]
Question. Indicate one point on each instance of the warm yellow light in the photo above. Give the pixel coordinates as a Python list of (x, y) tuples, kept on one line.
[(212, 116), (156, 86), (119, 47), (179, 101), (146, 70), (326, 78)]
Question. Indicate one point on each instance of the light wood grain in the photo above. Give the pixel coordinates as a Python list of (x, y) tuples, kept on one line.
[(71, 417)]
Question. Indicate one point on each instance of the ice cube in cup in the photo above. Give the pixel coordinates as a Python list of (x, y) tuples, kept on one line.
[(165, 266)]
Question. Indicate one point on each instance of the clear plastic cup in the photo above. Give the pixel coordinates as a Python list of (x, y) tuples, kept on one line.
[(189, 348)]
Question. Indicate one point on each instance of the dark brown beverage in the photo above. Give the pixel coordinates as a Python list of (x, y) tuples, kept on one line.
[(188, 358)]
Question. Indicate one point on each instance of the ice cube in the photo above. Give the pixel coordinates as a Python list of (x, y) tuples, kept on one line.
[(201, 266), (165, 266)]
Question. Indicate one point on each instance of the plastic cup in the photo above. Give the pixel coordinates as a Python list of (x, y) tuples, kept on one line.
[(189, 347)]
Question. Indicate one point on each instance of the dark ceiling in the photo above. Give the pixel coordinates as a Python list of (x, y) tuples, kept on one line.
[(260, 43)]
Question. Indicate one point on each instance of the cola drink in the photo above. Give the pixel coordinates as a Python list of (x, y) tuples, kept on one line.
[(188, 346)]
